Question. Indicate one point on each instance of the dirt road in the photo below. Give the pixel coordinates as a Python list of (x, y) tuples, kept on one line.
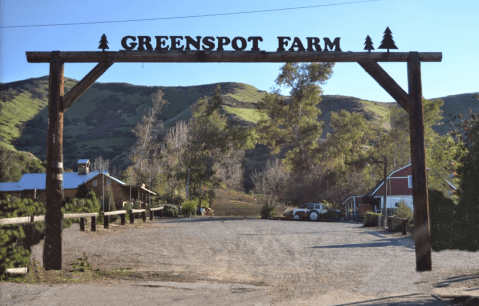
[(229, 261)]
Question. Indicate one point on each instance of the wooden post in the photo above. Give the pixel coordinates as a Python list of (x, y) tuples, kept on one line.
[(152, 213), (132, 217), (105, 221), (143, 215), (404, 227), (418, 163), (385, 191), (93, 224), (122, 219), (52, 247), (82, 224)]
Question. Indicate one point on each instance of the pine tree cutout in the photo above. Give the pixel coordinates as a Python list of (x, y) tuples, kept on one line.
[(387, 42), (368, 44), (103, 43)]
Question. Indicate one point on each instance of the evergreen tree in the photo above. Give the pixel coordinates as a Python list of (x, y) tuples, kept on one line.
[(292, 124), (344, 158), (103, 43), (368, 45), (387, 42)]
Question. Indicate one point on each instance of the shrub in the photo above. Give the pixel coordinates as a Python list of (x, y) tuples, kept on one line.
[(453, 225), (170, 211), (127, 207), (403, 211), (371, 219), (188, 208), (330, 214), (77, 205), (267, 211), (136, 204), (15, 246)]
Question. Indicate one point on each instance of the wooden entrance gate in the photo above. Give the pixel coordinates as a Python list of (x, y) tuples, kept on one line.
[(59, 102)]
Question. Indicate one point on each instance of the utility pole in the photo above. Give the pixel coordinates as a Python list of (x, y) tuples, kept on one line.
[(103, 190), (385, 180), (385, 190)]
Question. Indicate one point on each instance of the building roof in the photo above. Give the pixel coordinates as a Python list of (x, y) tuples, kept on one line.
[(71, 180), (83, 161)]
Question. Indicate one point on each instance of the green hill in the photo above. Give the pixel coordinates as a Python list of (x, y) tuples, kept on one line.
[(100, 122)]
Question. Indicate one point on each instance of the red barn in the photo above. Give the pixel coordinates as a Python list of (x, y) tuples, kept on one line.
[(399, 188)]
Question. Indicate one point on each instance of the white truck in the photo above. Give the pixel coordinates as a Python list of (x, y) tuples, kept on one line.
[(311, 211)]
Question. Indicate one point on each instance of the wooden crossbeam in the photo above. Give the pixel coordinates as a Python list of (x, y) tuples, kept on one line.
[(386, 82), (229, 56), (81, 87)]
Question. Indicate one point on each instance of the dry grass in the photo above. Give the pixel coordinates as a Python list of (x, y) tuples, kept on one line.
[(238, 204)]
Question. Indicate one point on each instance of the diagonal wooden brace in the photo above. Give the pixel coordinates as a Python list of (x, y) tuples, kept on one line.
[(81, 87), (386, 82)]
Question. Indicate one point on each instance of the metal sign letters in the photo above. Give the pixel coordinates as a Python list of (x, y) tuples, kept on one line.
[(211, 43)]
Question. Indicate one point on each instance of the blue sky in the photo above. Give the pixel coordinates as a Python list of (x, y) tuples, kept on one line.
[(449, 27)]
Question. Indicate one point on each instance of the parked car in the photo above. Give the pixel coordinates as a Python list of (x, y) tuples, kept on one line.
[(313, 212)]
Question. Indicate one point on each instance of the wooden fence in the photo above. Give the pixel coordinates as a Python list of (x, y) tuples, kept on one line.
[(82, 216), (404, 223)]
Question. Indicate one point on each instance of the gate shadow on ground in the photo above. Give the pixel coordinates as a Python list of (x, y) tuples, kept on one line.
[(400, 300), (203, 219), (457, 279), (419, 299), (385, 242)]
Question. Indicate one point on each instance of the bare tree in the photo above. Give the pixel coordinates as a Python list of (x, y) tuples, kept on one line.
[(100, 164), (173, 149), (115, 171), (147, 129), (270, 186), (230, 169)]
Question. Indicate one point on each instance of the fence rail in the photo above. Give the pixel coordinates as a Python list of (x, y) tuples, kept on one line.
[(153, 209), (82, 216)]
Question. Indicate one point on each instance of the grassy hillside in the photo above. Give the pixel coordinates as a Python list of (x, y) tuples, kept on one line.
[(100, 122), (457, 104)]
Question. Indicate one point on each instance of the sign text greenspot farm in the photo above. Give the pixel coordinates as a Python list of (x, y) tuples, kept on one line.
[(210, 43)]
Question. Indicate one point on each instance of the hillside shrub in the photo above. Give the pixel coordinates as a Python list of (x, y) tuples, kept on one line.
[(188, 208), (371, 219), (16, 240)]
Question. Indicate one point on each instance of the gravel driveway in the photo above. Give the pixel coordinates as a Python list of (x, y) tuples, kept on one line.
[(218, 261)]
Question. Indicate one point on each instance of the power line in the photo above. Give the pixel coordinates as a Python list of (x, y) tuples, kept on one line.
[(192, 16)]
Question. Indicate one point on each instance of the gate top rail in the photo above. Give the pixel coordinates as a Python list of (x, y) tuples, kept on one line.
[(228, 56)]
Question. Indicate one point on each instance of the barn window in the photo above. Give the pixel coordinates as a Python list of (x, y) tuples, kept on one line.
[(409, 181), (95, 183), (108, 182)]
